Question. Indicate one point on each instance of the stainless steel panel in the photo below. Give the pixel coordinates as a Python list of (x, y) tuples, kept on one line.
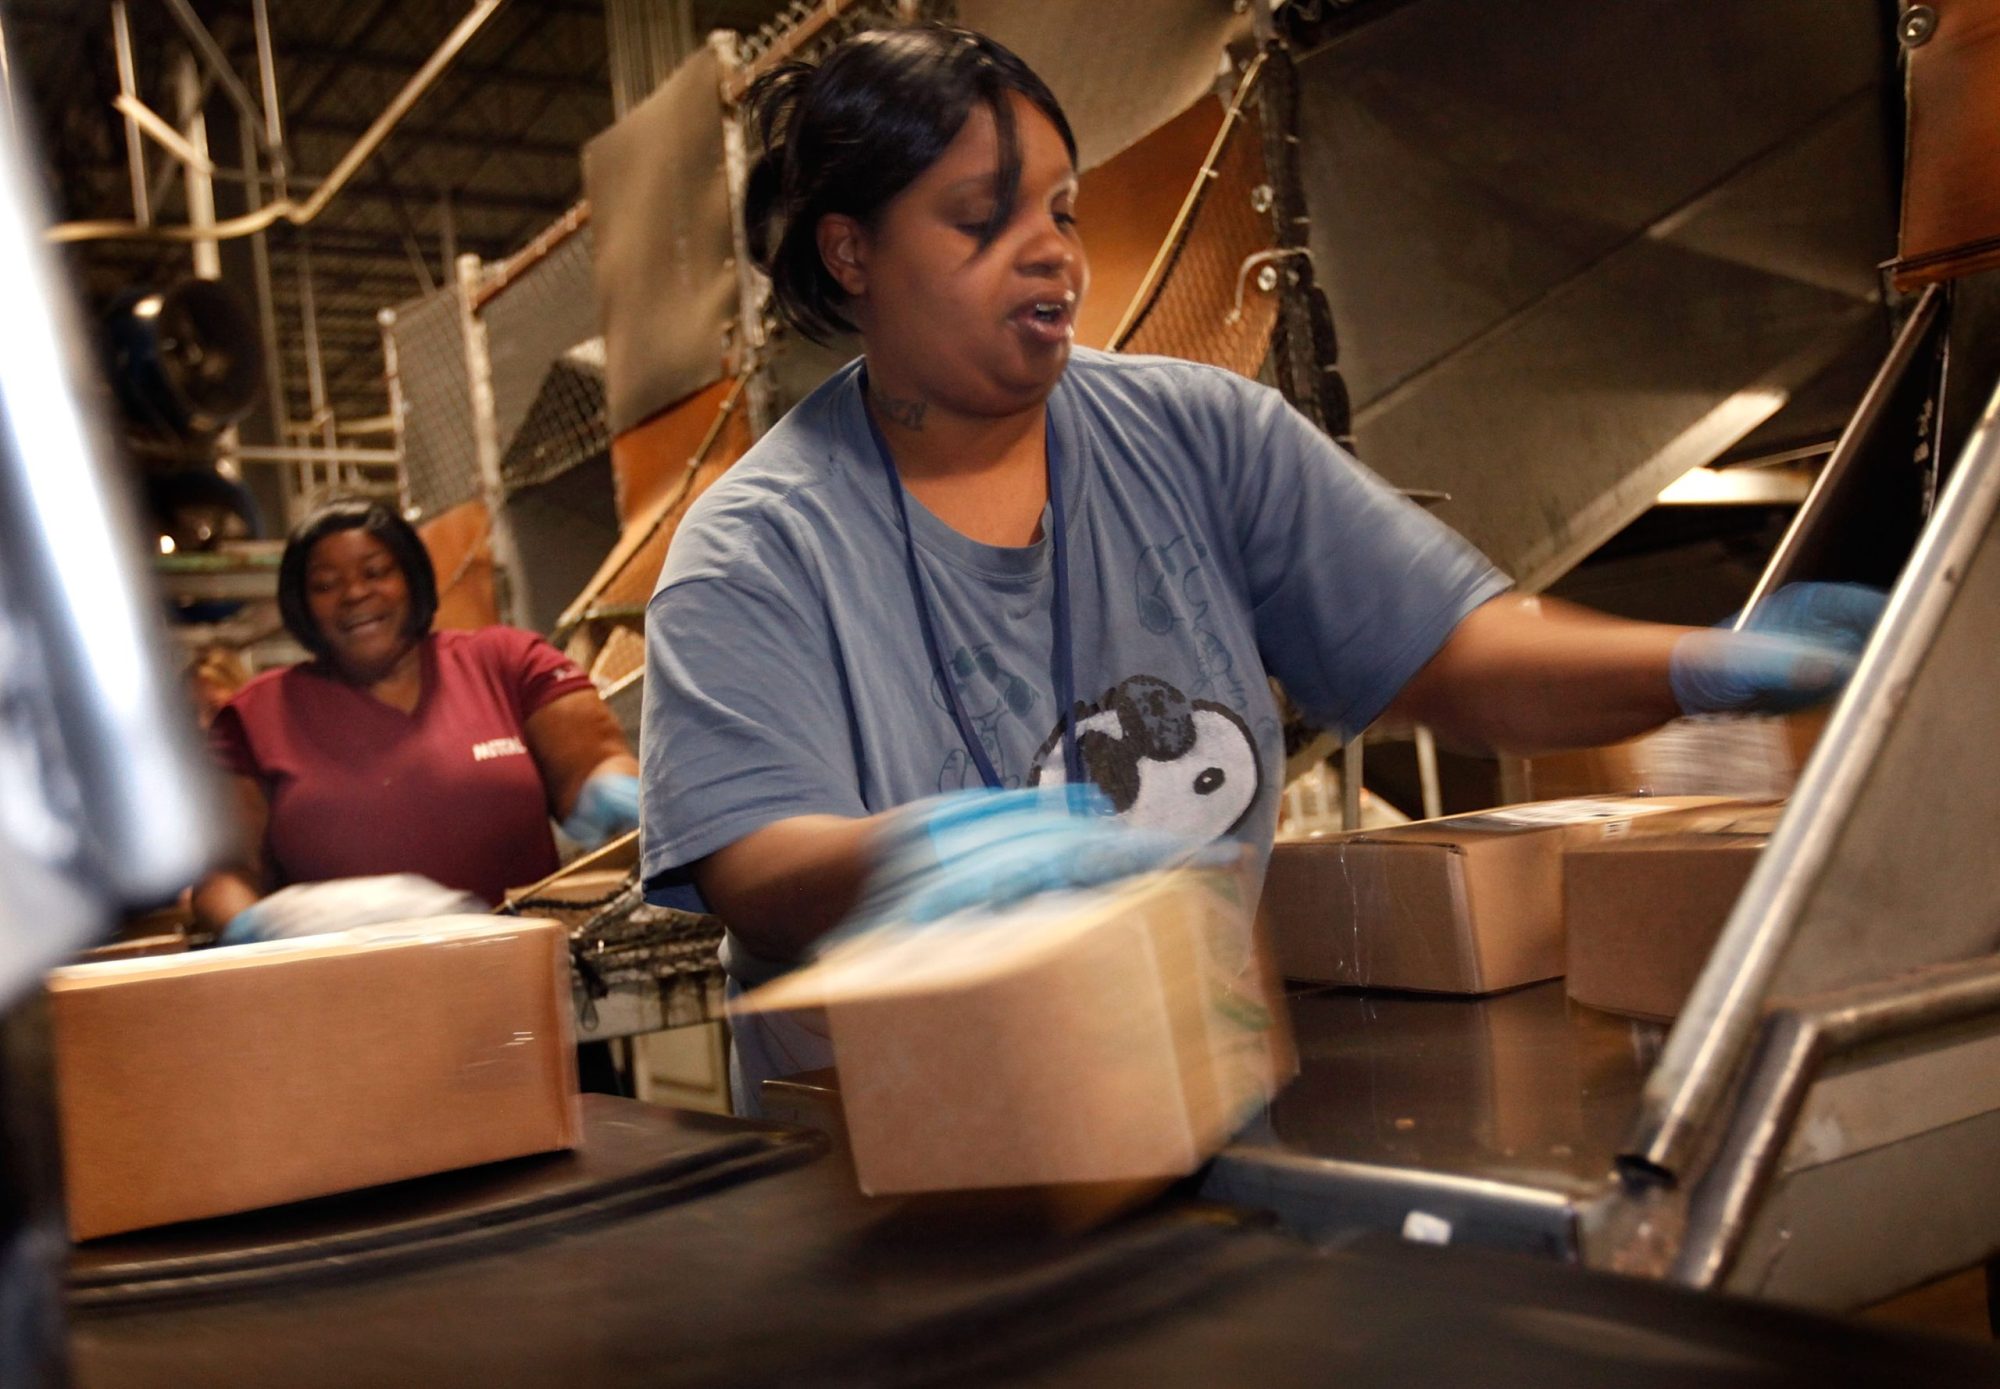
[(1919, 1086), (1167, 53), (1560, 425), (666, 285), (1524, 1086), (1833, 1078), (1845, 1234), (1573, 250), (1464, 158), (1494, 1114), (1885, 861)]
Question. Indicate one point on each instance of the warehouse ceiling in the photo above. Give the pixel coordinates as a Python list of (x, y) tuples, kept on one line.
[(486, 158)]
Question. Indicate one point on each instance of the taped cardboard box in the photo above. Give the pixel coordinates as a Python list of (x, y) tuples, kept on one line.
[(1468, 904), (1110, 1036), (225, 1080), (1644, 913)]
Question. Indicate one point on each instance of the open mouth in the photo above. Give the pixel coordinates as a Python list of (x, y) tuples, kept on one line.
[(1050, 320)]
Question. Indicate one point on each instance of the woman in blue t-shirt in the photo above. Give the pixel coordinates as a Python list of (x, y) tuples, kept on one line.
[(977, 561)]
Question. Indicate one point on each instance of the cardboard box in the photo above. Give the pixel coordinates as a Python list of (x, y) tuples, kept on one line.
[(1644, 913), (1468, 904), (1112, 1036), (224, 1080)]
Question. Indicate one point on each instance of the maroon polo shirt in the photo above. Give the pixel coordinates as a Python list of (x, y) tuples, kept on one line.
[(449, 790)]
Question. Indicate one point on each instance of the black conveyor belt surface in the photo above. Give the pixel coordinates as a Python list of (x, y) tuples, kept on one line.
[(1388, 1315), (791, 1278), (632, 1156), (785, 1278)]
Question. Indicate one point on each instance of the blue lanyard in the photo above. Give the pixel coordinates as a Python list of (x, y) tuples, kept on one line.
[(1065, 669)]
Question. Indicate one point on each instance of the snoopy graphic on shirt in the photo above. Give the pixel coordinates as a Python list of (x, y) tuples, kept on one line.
[(1167, 762)]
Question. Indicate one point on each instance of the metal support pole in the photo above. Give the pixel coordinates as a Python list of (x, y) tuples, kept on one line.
[(168, 170), (507, 571), (200, 181), (1427, 772), (274, 113), (447, 234), (1350, 783), (128, 85), (7, 85), (751, 285), (385, 319), (295, 485), (321, 419), (282, 453), (267, 308)]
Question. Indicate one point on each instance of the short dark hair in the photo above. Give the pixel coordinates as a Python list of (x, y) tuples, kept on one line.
[(383, 522), (850, 134)]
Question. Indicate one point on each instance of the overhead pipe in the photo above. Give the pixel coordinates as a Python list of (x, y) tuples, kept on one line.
[(286, 209)]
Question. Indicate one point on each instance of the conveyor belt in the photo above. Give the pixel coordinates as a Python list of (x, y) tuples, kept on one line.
[(792, 1278), (789, 1278), (633, 1157)]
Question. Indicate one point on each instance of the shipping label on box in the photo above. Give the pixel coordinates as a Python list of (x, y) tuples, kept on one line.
[(226, 1080), (1104, 1036)]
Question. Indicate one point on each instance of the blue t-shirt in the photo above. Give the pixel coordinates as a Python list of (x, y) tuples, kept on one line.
[(1214, 537)]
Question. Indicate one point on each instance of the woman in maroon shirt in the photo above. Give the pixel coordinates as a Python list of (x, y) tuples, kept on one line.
[(398, 749)]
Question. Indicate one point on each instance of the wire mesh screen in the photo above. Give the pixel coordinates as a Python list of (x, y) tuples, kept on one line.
[(1218, 299), (543, 341), (440, 461)]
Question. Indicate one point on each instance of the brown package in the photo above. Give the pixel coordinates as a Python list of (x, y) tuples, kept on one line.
[(1469, 904), (1106, 1036), (1644, 913), (225, 1080)]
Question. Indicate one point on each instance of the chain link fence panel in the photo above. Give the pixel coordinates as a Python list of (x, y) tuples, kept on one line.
[(434, 397), (547, 353)]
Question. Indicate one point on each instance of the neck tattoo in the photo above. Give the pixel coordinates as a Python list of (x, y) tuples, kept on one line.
[(907, 413)]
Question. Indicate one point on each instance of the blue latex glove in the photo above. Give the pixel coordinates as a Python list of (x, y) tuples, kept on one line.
[(985, 848), (1798, 648), (253, 923), (607, 806)]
